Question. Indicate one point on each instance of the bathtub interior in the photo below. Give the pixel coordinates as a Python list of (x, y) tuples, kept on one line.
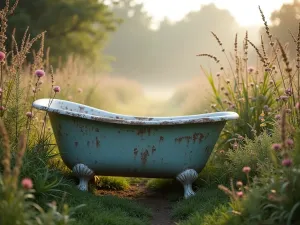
[(79, 110)]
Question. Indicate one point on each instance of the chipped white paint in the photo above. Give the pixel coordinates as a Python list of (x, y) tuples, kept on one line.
[(82, 111)]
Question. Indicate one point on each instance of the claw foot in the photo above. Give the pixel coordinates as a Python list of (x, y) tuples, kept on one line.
[(186, 178), (84, 174)]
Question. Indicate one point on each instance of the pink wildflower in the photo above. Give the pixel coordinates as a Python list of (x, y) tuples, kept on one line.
[(2, 108), (27, 183), (290, 142), (56, 89), (276, 146), (240, 194), (29, 114), (287, 162), (246, 169), (297, 106), (2, 56), (40, 73), (250, 69)]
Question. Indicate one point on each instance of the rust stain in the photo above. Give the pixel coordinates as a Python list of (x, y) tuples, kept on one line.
[(180, 139), (97, 143), (143, 131), (153, 149), (198, 136), (76, 143), (135, 152), (144, 156), (161, 139)]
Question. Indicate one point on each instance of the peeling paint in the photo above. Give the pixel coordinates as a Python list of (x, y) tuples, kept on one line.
[(144, 156)]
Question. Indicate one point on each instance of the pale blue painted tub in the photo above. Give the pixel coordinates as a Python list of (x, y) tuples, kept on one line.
[(96, 142)]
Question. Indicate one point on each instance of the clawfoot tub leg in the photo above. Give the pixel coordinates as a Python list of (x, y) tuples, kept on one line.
[(84, 174), (186, 178)]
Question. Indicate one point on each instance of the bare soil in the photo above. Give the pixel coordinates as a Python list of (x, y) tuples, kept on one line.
[(157, 202)]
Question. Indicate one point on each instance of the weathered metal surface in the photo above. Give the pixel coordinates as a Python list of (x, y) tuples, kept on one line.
[(119, 145)]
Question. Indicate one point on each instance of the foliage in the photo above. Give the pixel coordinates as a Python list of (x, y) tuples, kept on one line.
[(112, 183), (16, 203), (76, 26), (255, 94)]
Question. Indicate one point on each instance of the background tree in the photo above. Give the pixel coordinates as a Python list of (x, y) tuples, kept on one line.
[(73, 26), (167, 56)]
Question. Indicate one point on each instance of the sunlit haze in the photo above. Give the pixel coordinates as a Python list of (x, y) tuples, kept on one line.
[(245, 12)]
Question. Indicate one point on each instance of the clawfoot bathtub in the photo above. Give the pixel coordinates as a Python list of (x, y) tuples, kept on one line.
[(96, 142)]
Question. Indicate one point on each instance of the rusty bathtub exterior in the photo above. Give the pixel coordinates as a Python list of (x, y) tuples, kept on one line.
[(98, 142)]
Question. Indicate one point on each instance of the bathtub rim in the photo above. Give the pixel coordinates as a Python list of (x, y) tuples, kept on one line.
[(42, 104)]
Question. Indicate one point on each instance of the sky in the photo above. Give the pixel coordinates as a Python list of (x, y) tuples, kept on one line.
[(245, 12)]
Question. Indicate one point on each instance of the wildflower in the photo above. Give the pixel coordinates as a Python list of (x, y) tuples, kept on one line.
[(252, 84), (235, 145), (266, 107), (239, 184), (79, 90), (271, 82), (27, 183), (2, 108), (277, 117), (40, 73), (297, 106), (287, 162), (228, 81), (290, 142), (263, 125), (56, 89), (2, 56), (218, 74), (240, 194), (250, 69), (233, 106), (29, 114), (276, 146), (288, 92), (246, 169)]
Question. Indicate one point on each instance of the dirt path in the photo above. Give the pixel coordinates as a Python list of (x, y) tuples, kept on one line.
[(157, 202)]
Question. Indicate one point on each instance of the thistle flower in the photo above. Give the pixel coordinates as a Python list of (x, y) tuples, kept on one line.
[(56, 89), (276, 146), (246, 169), (2, 56), (40, 73), (27, 183), (29, 114), (289, 142), (287, 162)]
